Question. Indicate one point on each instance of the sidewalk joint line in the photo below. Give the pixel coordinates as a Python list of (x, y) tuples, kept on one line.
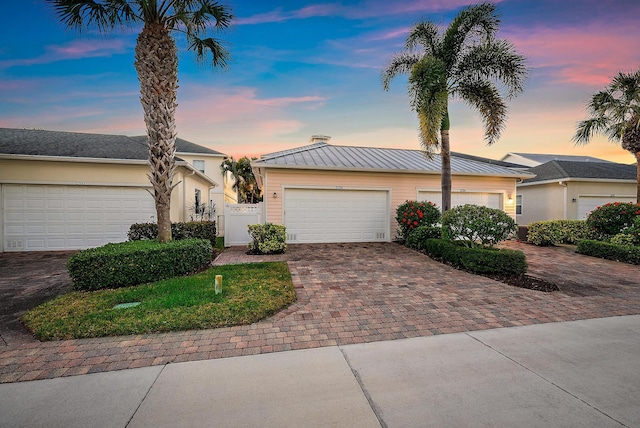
[(546, 380), (145, 395), (374, 407)]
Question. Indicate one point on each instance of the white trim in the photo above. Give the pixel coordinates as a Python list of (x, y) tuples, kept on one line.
[(76, 183), (201, 154), (394, 171), (600, 195), (596, 180)]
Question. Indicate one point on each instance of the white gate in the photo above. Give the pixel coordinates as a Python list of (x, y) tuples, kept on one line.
[(236, 219)]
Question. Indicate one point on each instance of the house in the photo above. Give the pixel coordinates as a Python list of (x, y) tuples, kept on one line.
[(569, 189), (535, 159), (66, 190), (330, 193)]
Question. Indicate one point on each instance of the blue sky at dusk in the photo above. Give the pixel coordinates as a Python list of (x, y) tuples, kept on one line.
[(312, 67)]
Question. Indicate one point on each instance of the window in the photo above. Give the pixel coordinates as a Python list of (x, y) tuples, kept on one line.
[(518, 204), (199, 165), (199, 206)]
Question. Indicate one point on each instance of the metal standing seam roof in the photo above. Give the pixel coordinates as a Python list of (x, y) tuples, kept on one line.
[(326, 156)]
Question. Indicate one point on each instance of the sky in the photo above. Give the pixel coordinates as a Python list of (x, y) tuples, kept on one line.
[(305, 67)]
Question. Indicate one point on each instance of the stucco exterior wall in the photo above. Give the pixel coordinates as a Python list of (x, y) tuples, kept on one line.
[(101, 174), (402, 186), (213, 171), (553, 201)]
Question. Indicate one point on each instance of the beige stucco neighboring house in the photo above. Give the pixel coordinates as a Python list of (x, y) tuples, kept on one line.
[(66, 190), (329, 193), (570, 190)]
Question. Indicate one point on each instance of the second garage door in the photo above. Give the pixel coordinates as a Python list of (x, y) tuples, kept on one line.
[(46, 217), (586, 204), (335, 215)]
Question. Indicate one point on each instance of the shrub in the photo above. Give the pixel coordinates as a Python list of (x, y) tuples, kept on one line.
[(556, 232), (478, 260), (606, 250), (136, 262), (179, 231), (622, 239), (267, 238), (612, 218), (473, 223), (417, 238), (412, 214)]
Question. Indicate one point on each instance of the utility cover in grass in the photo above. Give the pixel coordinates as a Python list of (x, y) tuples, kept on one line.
[(126, 305)]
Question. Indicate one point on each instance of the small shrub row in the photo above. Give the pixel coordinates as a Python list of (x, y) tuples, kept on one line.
[(478, 260), (554, 232), (137, 262), (476, 224), (413, 214), (417, 238), (606, 250), (267, 238), (179, 231)]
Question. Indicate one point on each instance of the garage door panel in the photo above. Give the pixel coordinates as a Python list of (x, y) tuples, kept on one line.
[(328, 215), (70, 217), (491, 200), (586, 204)]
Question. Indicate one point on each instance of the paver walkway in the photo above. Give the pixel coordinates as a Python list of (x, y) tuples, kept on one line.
[(355, 293)]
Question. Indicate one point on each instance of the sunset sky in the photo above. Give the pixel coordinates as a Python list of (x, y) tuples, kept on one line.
[(302, 67)]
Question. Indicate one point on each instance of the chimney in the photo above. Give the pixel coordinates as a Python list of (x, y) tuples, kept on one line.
[(319, 139)]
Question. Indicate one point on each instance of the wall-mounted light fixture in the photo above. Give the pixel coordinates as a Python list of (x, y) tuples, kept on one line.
[(510, 199), (574, 200), (275, 195)]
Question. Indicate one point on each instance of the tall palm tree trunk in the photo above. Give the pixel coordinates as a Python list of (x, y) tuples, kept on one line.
[(637, 155), (157, 67), (445, 154)]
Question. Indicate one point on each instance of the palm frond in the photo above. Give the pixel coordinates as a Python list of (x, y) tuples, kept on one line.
[(485, 97), (495, 60), (424, 34), (473, 22), (202, 47), (101, 15), (400, 63), (428, 96)]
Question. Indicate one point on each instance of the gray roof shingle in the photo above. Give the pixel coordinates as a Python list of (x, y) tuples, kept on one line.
[(544, 158), (559, 170), (82, 145), (326, 156)]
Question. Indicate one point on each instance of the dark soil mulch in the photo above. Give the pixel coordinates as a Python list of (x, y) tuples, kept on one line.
[(526, 281)]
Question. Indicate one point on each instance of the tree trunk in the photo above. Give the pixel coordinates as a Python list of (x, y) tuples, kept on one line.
[(445, 154), (157, 66)]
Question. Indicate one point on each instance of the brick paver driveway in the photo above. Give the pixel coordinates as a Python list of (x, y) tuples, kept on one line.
[(353, 293)]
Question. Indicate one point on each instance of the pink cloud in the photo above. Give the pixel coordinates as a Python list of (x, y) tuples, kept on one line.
[(585, 56), (75, 49)]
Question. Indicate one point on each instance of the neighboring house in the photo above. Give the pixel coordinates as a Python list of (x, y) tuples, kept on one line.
[(327, 193), (208, 162), (65, 190), (572, 189), (534, 159)]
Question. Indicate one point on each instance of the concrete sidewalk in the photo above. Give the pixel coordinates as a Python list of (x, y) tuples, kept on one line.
[(570, 374)]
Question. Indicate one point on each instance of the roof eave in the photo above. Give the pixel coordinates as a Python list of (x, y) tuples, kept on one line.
[(577, 179), (73, 159)]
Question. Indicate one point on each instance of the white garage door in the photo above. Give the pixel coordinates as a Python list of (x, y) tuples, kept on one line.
[(491, 200), (586, 204), (46, 218), (314, 215)]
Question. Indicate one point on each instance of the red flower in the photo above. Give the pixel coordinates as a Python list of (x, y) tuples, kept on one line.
[(420, 214), (624, 212), (638, 212), (415, 223)]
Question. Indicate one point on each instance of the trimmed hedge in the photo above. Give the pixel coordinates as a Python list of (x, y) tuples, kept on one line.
[(554, 232), (137, 262), (179, 231), (417, 238), (478, 260), (605, 250)]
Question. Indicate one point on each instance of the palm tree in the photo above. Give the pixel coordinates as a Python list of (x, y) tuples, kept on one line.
[(244, 182), (465, 60), (156, 63), (615, 112)]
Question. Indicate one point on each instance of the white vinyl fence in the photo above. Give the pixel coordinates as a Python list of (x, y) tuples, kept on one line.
[(236, 219)]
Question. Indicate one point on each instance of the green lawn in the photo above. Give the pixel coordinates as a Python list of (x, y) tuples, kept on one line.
[(250, 292)]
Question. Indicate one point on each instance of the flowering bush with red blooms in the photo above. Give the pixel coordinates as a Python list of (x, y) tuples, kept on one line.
[(412, 214), (613, 218)]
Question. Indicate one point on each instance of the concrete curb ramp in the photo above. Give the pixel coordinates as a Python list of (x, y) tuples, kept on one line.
[(571, 374)]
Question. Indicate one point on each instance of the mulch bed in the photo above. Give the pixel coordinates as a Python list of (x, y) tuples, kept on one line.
[(526, 281)]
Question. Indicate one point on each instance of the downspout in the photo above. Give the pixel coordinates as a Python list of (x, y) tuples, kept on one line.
[(565, 194)]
